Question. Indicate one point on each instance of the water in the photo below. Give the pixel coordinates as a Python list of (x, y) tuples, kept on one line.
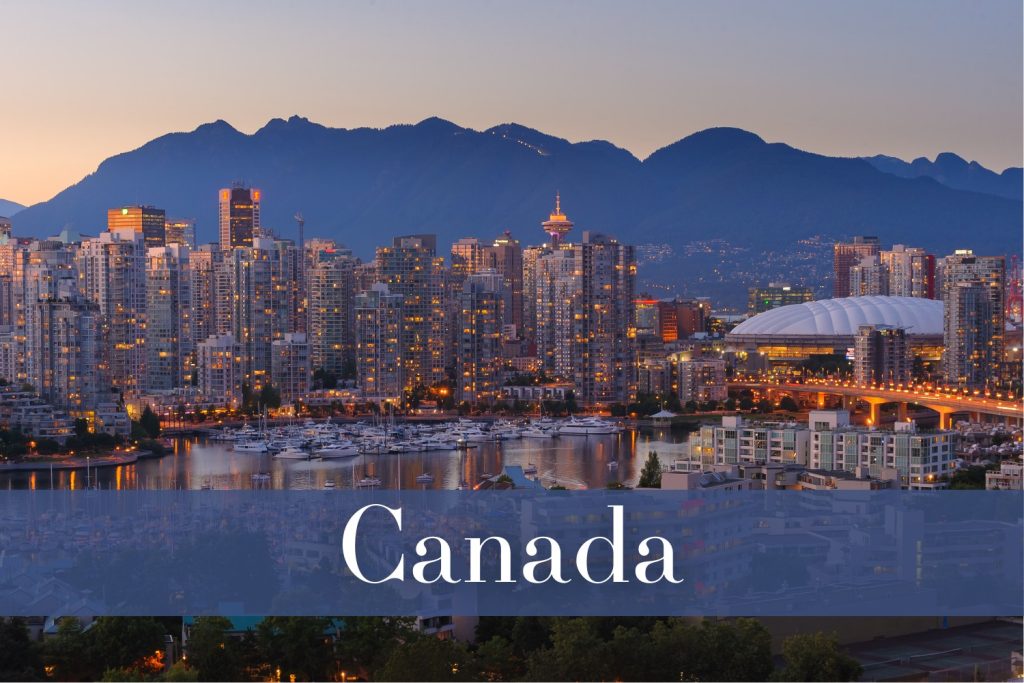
[(571, 461)]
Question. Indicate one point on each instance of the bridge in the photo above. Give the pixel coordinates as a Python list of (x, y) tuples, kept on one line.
[(943, 400)]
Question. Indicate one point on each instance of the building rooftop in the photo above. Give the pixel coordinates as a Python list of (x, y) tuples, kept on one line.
[(842, 317)]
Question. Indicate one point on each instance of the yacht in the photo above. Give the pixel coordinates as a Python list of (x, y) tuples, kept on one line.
[(530, 469), (329, 485), (369, 482), (254, 446), (425, 478), (260, 477), (337, 450), (587, 426), (535, 431), (292, 453)]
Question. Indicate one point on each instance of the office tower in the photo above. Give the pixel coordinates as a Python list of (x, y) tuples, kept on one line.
[(204, 267), (881, 354), (479, 325), (169, 334), (147, 221), (65, 348), (181, 231), (911, 271), (974, 318), (701, 380), (331, 330), (220, 371), (683, 318), (869, 277), (844, 256), (239, 216), (112, 274), (411, 269), (290, 370), (256, 301), (775, 295), (557, 226), (379, 338)]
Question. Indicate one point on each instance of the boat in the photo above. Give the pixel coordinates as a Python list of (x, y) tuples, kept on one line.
[(260, 477), (337, 450), (369, 482), (587, 426), (538, 432), (329, 484), (530, 469), (425, 478), (613, 465), (254, 446), (292, 453)]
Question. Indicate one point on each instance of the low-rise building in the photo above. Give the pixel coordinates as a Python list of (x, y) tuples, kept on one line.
[(1009, 477)]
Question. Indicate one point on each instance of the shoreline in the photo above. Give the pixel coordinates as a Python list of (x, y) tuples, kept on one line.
[(72, 463)]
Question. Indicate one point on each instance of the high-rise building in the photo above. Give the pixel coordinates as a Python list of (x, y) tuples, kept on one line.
[(557, 226), (881, 354), (256, 296), (239, 216), (65, 348), (169, 336), (181, 231), (479, 324), (701, 380), (147, 221), (911, 271), (682, 318), (219, 367), (204, 267), (869, 277), (775, 295), (112, 274), (290, 371), (379, 338), (844, 256), (558, 283), (411, 269), (506, 257), (974, 318), (331, 330)]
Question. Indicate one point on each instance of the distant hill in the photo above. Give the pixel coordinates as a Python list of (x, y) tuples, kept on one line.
[(363, 186), (956, 172), (9, 208)]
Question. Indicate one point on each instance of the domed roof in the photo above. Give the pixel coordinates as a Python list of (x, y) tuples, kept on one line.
[(842, 317)]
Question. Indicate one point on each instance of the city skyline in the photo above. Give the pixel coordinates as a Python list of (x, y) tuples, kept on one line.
[(914, 93)]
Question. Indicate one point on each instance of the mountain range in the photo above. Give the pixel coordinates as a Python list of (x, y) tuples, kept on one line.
[(9, 208), (363, 186)]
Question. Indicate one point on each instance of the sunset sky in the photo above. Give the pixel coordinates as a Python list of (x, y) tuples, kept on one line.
[(83, 81)]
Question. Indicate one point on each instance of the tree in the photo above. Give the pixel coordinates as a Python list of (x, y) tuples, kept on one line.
[(270, 397), (816, 657), (150, 422), (67, 652), (788, 404), (650, 476), (429, 659), (19, 656), (323, 379), (296, 645), (213, 655), (577, 653), (366, 643), (496, 660), (125, 642)]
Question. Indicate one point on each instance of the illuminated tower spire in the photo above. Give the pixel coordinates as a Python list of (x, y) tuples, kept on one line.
[(557, 224)]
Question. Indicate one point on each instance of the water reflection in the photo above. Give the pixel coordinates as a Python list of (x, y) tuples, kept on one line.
[(571, 461)]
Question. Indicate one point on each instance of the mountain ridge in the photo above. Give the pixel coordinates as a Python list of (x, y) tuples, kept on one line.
[(363, 185)]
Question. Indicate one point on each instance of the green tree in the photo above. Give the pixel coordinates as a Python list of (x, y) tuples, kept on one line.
[(366, 644), (496, 660), (429, 659), (212, 653), (650, 476), (270, 397), (19, 656), (788, 404), (816, 657), (297, 645), (124, 642), (68, 652), (150, 422), (577, 653)]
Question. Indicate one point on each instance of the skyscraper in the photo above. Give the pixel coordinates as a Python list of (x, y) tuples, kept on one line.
[(169, 334), (845, 255), (65, 348), (180, 231), (911, 271), (331, 287), (974, 318), (379, 338), (775, 295), (869, 277), (479, 347), (204, 266), (411, 269), (239, 216), (147, 221), (219, 361), (112, 274), (289, 369)]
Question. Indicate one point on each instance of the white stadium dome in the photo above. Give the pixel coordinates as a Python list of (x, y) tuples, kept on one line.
[(842, 317)]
